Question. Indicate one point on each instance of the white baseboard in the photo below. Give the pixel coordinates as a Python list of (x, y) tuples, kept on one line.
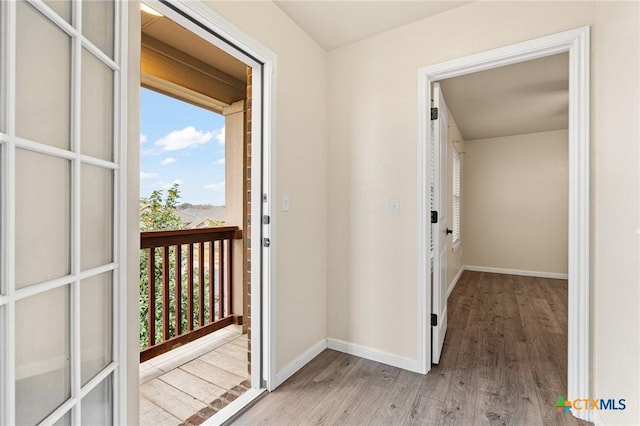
[(455, 281), (516, 272), (348, 348), (300, 362), (373, 354)]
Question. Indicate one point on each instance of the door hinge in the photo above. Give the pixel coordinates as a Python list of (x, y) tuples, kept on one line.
[(434, 320), (434, 113), (434, 216), (266, 219), (266, 242)]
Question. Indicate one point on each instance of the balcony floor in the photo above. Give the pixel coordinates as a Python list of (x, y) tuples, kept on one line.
[(192, 382)]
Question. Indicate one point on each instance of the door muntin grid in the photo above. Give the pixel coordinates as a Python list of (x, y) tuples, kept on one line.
[(60, 184)]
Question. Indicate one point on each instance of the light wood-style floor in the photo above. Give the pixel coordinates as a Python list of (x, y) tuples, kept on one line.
[(503, 363), (186, 381)]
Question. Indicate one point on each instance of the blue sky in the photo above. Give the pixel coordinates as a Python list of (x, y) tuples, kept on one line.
[(181, 143)]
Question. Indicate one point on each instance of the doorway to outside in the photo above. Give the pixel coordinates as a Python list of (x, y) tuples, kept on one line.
[(202, 355), (191, 222), (576, 43)]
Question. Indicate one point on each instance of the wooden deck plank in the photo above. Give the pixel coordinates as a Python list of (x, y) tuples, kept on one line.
[(170, 399), (212, 374), (150, 373), (242, 341), (192, 385), (226, 362), (170, 394), (234, 351), (151, 414)]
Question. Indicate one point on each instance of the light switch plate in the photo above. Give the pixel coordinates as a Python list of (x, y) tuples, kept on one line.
[(285, 202), (394, 207)]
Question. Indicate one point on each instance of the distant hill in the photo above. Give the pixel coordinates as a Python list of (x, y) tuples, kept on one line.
[(200, 215)]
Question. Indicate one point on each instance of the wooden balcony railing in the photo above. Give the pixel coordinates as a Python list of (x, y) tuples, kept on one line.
[(186, 291)]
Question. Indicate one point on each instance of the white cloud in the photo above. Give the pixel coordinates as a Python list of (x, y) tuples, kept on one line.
[(144, 175), (185, 138), (220, 135), (164, 185), (220, 161), (215, 186), (143, 138), (167, 161)]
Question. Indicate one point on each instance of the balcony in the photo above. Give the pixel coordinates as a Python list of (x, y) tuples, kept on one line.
[(193, 352)]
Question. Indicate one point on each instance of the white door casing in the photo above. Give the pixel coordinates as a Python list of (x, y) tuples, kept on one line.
[(576, 42), (439, 229)]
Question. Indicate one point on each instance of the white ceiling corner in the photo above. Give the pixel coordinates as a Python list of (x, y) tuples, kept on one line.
[(334, 24), (522, 98)]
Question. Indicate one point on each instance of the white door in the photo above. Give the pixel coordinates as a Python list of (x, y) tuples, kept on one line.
[(439, 230), (61, 197)]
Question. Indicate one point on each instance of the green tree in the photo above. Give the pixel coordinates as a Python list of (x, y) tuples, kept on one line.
[(159, 213)]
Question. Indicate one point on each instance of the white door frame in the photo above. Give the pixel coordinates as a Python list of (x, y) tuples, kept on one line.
[(202, 20), (576, 42)]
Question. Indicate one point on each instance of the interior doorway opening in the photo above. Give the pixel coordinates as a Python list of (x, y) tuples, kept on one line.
[(503, 157), (576, 43)]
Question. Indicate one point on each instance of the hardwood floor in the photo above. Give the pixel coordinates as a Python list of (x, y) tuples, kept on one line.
[(504, 362)]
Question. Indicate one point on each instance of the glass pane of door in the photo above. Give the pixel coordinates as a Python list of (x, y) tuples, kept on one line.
[(97, 108), (96, 216), (98, 22), (43, 79), (43, 217), (97, 406), (61, 7), (96, 324), (42, 352)]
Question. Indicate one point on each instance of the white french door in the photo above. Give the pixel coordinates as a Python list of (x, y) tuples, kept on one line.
[(439, 230), (62, 183)]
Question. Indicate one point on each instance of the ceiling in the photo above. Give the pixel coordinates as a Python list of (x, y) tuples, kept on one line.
[(176, 36), (528, 97), (333, 24)]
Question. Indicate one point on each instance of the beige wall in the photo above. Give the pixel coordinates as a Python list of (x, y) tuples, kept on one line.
[(365, 259), (615, 206), (516, 202), (372, 155), (454, 256), (301, 171), (373, 127)]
